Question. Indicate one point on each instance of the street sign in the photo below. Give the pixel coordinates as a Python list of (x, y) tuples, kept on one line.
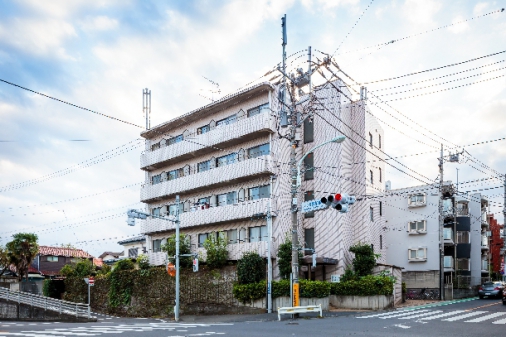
[(91, 281), (312, 205), (171, 269), (296, 302)]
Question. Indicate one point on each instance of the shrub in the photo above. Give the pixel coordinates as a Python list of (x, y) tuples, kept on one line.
[(124, 264), (83, 268), (216, 251), (285, 258), (53, 288), (349, 275), (314, 288), (246, 293), (250, 268), (143, 261), (280, 288), (364, 260), (104, 270), (366, 286), (184, 248)]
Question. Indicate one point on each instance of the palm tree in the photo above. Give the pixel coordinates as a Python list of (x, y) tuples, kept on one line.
[(21, 251)]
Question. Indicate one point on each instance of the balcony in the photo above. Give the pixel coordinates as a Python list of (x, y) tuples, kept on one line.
[(243, 130), (236, 251), (484, 266), (157, 259), (213, 215), (484, 242), (448, 263), (220, 176), (484, 221), (448, 237)]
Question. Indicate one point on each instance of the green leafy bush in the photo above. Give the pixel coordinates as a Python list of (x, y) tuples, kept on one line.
[(124, 264), (250, 268), (285, 258), (143, 261), (317, 289), (83, 268), (216, 251), (364, 260), (369, 285), (53, 288), (184, 248), (280, 288), (246, 293)]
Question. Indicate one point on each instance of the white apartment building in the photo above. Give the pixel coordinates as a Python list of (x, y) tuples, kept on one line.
[(412, 236), (229, 162)]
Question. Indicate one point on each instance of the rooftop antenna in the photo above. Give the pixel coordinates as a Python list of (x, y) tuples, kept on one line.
[(146, 106)]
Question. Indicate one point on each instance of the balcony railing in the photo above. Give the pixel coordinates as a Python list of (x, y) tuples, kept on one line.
[(236, 250), (448, 262), (216, 177), (240, 211), (484, 266), (484, 242), (240, 131), (448, 236), (157, 258)]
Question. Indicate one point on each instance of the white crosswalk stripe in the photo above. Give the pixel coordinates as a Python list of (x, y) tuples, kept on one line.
[(487, 317), (422, 315), (403, 314), (460, 317), (396, 313), (446, 314)]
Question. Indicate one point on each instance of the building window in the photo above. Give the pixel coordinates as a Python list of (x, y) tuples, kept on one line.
[(173, 209), (226, 121), (381, 241), (257, 234), (133, 252), (309, 165), (417, 254), (415, 200), (260, 192), (258, 110), (157, 245), (226, 160), (229, 198), (52, 258), (156, 179), (155, 146), (202, 239), (308, 239), (371, 177), (448, 262), (257, 151), (370, 139), (417, 227), (204, 166), (174, 140), (380, 178), (379, 141), (381, 208), (231, 236), (309, 195), (155, 211), (462, 237), (308, 130), (203, 129), (174, 174), (462, 264), (371, 213)]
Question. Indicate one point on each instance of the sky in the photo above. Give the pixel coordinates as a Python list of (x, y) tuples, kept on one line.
[(69, 174)]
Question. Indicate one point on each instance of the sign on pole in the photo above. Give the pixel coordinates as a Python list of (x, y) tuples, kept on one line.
[(296, 295), (312, 205), (91, 281)]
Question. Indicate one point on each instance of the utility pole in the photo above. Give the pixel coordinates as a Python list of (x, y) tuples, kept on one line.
[(269, 258), (146, 106), (441, 226), (176, 307)]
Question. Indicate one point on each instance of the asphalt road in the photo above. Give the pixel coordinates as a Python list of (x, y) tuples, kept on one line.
[(481, 318)]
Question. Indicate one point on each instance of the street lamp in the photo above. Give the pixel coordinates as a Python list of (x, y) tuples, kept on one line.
[(295, 253), (135, 214)]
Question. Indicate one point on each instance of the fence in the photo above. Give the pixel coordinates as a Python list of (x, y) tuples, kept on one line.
[(46, 303)]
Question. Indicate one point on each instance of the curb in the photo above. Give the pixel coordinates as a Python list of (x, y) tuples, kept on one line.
[(437, 304)]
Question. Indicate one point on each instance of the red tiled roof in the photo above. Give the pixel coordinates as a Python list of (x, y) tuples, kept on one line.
[(61, 251), (97, 262)]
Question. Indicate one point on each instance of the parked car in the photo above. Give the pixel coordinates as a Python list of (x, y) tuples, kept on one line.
[(504, 297), (491, 289)]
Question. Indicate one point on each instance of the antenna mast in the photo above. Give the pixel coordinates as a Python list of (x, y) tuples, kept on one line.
[(146, 106)]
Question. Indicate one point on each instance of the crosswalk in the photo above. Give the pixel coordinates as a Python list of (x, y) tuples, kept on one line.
[(423, 315), (173, 330)]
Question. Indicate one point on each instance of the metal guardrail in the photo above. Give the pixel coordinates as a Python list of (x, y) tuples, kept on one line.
[(47, 303), (302, 309)]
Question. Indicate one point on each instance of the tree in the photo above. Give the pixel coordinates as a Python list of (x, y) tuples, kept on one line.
[(285, 258), (5, 261), (184, 248), (364, 260), (21, 251), (250, 268), (216, 251)]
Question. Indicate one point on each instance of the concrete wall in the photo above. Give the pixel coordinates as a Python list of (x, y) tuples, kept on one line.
[(421, 279), (283, 301), (22, 312), (378, 302)]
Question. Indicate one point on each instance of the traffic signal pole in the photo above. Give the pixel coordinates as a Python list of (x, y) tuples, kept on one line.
[(441, 226), (176, 307)]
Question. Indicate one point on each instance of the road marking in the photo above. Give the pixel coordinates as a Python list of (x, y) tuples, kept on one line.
[(403, 314), (451, 313), (422, 315), (487, 317), (393, 313), (471, 314), (402, 326)]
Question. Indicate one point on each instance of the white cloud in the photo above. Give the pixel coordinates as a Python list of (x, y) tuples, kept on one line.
[(421, 11), (460, 27), (99, 23), (41, 37), (481, 8), (327, 4)]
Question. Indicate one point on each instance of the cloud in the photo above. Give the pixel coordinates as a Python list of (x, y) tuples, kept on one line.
[(481, 8), (460, 27), (421, 11), (327, 4), (40, 37), (99, 23)]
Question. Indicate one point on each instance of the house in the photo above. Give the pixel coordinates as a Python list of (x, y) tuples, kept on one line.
[(133, 247), (228, 162), (110, 257), (412, 236), (50, 260)]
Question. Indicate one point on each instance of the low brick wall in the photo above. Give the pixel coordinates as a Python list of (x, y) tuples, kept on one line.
[(378, 302)]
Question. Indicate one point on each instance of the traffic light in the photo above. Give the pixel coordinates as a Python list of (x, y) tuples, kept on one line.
[(339, 201)]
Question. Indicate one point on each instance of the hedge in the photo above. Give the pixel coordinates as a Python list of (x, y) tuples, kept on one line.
[(366, 286), (246, 293)]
